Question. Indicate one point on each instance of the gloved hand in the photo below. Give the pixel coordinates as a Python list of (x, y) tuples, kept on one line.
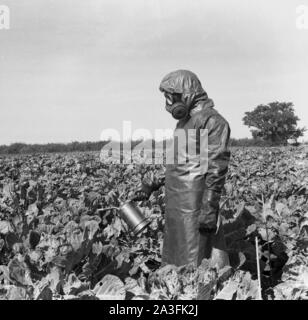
[(143, 192), (145, 188), (150, 182), (209, 213)]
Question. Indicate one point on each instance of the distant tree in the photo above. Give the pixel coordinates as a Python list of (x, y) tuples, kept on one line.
[(275, 122)]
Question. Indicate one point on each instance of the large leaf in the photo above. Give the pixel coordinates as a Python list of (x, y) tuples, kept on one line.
[(5, 227), (110, 288), (19, 272)]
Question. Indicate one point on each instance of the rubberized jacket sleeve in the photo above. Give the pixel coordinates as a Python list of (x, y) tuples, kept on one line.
[(218, 161), (159, 181), (154, 180)]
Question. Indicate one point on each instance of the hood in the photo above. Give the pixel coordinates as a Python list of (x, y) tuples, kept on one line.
[(186, 83)]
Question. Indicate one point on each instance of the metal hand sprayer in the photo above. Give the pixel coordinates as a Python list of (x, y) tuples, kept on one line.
[(132, 216)]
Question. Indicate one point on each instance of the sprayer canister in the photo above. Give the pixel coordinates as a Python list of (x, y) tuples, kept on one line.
[(133, 217)]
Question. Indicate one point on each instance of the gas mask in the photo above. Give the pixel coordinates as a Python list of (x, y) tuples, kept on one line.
[(175, 106)]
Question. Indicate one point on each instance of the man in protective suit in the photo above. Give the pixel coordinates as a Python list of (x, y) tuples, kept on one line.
[(193, 230)]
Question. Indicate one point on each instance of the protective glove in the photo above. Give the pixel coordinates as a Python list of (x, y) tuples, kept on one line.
[(149, 184), (209, 213), (143, 192)]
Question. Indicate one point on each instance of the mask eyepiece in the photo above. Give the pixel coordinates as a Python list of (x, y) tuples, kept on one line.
[(175, 106)]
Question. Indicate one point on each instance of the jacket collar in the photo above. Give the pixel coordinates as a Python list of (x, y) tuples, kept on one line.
[(209, 103)]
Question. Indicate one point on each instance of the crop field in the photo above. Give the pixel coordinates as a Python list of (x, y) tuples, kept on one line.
[(55, 244)]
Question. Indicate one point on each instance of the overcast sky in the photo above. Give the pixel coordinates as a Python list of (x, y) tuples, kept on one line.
[(72, 68)]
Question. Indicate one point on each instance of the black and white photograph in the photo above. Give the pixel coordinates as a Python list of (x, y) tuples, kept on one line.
[(153, 150)]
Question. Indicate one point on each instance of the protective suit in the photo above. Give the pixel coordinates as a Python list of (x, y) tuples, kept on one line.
[(192, 228)]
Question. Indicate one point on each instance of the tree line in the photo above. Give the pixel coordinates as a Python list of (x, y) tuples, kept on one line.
[(23, 148), (272, 124)]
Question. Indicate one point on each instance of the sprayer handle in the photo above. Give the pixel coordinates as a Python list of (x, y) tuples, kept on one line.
[(105, 209)]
